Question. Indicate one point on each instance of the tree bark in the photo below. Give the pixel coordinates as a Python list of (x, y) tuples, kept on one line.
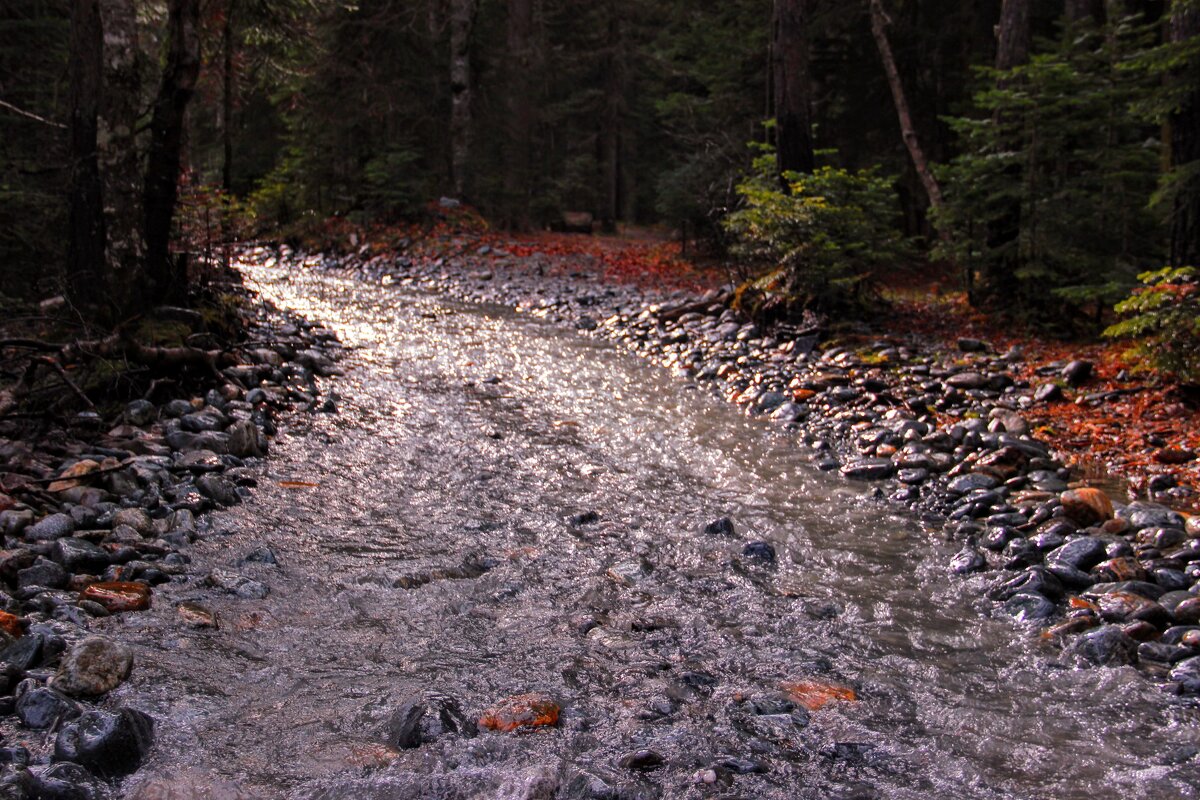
[(791, 74), (122, 284), (1185, 150), (522, 63), (85, 248), (1013, 34), (227, 96), (161, 188), (611, 133), (879, 30), (462, 25)]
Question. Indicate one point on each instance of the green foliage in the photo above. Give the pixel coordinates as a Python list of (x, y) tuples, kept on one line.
[(1163, 316), (1048, 202), (829, 233)]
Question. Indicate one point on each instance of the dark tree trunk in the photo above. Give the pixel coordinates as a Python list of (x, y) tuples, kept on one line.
[(1013, 34), (1000, 284), (1185, 150), (791, 74), (611, 132), (523, 63), (85, 249), (462, 26), (227, 96), (166, 143), (118, 159), (1085, 10)]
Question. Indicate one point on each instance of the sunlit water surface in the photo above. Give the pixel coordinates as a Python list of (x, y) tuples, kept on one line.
[(426, 466)]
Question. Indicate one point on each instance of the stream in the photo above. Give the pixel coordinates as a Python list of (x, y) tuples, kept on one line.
[(434, 536)]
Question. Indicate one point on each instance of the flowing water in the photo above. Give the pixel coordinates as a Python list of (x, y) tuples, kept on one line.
[(649, 633)]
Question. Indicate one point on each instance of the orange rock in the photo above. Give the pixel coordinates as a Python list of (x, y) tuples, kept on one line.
[(196, 616), (12, 625), (800, 395), (1087, 506), (76, 471), (1070, 627), (522, 711), (118, 596), (814, 695)]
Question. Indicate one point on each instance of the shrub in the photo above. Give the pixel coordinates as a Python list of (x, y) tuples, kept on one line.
[(827, 234), (1163, 316)]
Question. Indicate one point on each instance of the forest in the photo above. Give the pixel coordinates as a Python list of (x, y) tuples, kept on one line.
[(1038, 156)]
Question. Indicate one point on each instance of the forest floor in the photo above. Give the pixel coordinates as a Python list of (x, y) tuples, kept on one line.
[(1124, 423)]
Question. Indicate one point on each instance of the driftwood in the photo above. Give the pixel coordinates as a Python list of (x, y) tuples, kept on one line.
[(697, 306)]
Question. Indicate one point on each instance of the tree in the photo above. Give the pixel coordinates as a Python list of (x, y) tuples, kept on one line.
[(523, 57), (1184, 125), (791, 51), (462, 26)]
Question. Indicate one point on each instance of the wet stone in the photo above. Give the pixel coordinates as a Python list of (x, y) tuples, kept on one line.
[(79, 555), (1151, 515), (970, 482), (118, 596), (763, 552), (641, 760), (968, 560), (719, 527), (1083, 553), (425, 719), (1105, 646), (67, 781), (1186, 675), (524, 711), (52, 527), (93, 667), (870, 469), (22, 655), (1029, 607), (1077, 372), (40, 708), (42, 572), (111, 744), (238, 584)]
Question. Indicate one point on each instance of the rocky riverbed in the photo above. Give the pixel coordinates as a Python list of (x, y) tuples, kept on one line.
[(96, 515), (938, 431)]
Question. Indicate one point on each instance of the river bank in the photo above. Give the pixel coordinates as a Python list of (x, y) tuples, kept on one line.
[(98, 511)]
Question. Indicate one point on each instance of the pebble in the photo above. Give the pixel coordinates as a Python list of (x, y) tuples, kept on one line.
[(111, 744), (95, 666)]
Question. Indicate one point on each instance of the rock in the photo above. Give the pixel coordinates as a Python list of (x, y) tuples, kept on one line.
[(22, 655), (80, 555), (261, 555), (719, 527), (533, 710), (425, 719), (1186, 675), (67, 781), (967, 380), (111, 744), (760, 551), (1107, 645), (244, 440), (135, 518), (13, 522), (968, 345), (1122, 568), (1188, 612), (965, 484), (140, 413), (197, 616), (42, 708), (218, 489), (1087, 506), (238, 584), (1029, 607), (1082, 553), (43, 572), (50, 528), (118, 596), (72, 476), (1077, 372), (93, 667), (1127, 606), (968, 560), (816, 694), (1006, 421), (869, 469), (1144, 515), (641, 760), (1048, 393)]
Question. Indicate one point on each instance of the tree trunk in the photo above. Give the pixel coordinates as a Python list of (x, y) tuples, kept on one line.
[(1185, 150), (1013, 34), (614, 98), (879, 30), (522, 66), (227, 96), (117, 156), (791, 74), (166, 143), (85, 248), (462, 24)]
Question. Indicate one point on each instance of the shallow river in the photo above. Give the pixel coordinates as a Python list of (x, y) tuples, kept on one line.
[(649, 633)]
